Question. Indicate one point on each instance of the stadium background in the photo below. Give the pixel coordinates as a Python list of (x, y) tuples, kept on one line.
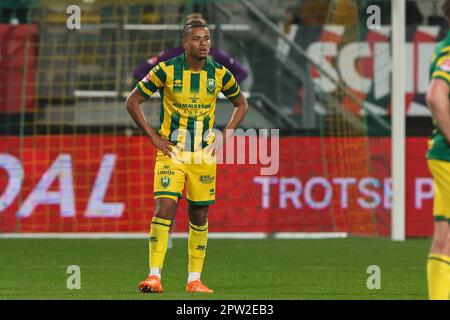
[(72, 161)]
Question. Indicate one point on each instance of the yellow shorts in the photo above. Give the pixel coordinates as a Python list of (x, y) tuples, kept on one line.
[(440, 170), (196, 170)]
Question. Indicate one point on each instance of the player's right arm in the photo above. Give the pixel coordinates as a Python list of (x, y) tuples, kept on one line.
[(142, 91), (438, 96)]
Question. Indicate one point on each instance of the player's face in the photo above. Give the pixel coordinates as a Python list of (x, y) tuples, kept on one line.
[(198, 43)]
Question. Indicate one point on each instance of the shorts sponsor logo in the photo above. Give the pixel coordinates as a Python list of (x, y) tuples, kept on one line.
[(206, 179), (212, 192), (167, 172), (165, 182)]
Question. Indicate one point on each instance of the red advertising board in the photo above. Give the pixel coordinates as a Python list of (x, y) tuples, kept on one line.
[(105, 184), (17, 67)]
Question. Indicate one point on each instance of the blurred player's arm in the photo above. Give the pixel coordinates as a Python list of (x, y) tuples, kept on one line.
[(238, 71), (144, 68), (438, 102)]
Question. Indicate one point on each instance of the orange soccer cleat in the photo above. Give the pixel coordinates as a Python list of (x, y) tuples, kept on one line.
[(151, 285), (197, 286)]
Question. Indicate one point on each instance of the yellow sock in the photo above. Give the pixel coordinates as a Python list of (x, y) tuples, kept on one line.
[(198, 238), (158, 241), (438, 274)]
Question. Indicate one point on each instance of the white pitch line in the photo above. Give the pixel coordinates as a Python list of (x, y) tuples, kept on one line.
[(310, 235), (178, 235)]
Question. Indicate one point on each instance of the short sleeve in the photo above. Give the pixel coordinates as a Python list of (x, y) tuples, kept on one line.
[(230, 87), (442, 69), (154, 80)]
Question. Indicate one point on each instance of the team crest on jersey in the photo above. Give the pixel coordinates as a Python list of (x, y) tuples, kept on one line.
[(165, 182), (211, 84), (206, 179), (444, 64)]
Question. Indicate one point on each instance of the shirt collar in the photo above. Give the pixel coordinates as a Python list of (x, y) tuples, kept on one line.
[(186, 66)]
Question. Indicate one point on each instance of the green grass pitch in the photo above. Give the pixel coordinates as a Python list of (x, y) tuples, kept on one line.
[(235, 269)]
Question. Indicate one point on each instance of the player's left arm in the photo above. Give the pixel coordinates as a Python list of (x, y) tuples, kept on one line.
[(231, 90), (240, 109)]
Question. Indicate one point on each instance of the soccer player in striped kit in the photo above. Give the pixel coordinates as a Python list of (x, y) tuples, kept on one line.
[(189, 85)]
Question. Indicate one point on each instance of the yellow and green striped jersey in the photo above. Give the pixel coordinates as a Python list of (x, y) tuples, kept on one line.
[(188, 99), (438, 148)]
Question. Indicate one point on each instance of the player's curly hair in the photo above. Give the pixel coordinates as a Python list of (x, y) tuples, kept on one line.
[(194, 23), (446, 9), (194, 16)]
